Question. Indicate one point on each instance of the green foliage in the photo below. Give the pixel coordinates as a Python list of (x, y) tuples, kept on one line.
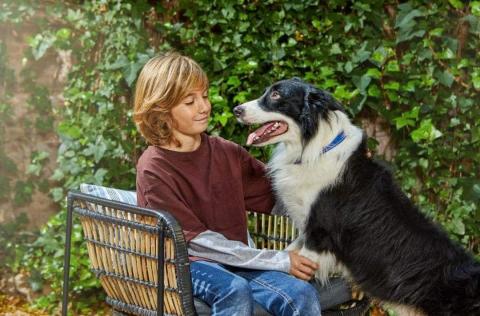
[(414, 64), (45, 263), (15, 240)]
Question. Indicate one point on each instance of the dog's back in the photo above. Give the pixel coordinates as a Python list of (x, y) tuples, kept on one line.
[(391, 249), (465, 295)]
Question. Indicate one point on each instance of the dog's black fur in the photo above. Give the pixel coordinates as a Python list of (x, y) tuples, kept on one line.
[(392, 251)]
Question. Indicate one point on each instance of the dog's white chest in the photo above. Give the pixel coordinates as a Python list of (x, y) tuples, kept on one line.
[(298, 185)]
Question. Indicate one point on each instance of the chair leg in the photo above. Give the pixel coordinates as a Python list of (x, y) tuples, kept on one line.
[(66, 262)]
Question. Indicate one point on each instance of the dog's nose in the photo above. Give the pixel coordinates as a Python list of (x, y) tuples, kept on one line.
[(238, 110)]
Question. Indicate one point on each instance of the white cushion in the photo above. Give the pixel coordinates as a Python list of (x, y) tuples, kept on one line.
[(124, 196)]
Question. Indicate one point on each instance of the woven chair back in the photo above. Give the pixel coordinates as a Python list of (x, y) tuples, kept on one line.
[(123, 249), (271, 231)]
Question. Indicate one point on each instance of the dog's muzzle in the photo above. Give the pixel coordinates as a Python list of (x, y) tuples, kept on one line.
[(239, 111)]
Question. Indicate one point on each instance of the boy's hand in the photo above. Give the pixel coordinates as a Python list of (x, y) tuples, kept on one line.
[(301, 267)]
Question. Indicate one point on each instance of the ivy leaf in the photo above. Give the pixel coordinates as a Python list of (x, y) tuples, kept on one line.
[(64, 128), (392, 85), (99, 151), (457, 4), (408, 118), (99, 175), (357, 104), (34, 169), (445, 78), (348, 66), (426, 131), (223, 118), (475, 6), (278, 53), (374, 73), (121, 62), (234, 81), (458, 226), (39, 44), (131, 72), (361, 55), (476, 78), (408, 36), (374, 91), (57, 194), (335, 50), (408, 19), (362, 82)]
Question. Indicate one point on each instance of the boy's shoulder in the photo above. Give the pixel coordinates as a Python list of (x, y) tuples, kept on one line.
[(152, 158), (223, 143)]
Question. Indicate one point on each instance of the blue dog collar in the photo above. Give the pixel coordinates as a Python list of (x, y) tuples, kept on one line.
[(335, 142)]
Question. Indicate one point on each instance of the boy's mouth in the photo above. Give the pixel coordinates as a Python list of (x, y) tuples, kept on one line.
[(202, 119)]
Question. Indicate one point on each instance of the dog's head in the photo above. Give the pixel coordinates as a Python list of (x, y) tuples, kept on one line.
[(289, 110)]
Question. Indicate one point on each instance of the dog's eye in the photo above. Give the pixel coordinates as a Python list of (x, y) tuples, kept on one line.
[(275, 95)]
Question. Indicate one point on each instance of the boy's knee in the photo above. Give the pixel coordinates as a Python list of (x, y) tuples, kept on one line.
[(238, 292), (306, 299)]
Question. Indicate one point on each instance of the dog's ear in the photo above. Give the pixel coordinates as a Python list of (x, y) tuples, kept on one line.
[(317, 105), (323, 100), (309, 117)]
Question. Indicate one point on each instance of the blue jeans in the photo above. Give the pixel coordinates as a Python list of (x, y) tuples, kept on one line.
[(232, 291)]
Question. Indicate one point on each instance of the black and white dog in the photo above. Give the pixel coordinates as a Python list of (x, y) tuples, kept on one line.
[(351, 215)]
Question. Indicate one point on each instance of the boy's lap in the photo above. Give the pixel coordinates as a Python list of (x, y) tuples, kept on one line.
[(336, 292)]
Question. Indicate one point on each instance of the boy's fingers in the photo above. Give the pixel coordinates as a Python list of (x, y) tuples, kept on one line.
[(308, 263), (299, 274), (306, 269)]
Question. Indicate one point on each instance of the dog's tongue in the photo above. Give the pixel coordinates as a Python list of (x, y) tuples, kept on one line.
[(266, 132), (258, 133), (250, 138)]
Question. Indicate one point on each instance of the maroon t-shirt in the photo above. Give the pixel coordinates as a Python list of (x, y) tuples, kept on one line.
[(207, 189)]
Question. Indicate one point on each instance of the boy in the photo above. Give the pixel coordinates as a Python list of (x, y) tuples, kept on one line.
[(207, 183)]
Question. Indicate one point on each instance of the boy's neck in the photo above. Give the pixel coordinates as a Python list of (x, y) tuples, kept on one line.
[(189, 143)]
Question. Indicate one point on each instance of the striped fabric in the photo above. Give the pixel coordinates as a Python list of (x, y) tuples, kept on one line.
[(124, 196)]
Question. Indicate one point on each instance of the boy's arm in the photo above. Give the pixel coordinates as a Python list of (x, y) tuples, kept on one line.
[(214, 246), (257, 188)]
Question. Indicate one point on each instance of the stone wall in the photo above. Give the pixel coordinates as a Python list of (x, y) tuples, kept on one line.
[(20, 139)]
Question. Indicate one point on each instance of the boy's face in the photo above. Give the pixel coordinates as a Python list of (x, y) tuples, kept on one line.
[(192, 113)]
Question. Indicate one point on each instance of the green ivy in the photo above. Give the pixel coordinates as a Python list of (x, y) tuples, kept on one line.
[(415, 65)]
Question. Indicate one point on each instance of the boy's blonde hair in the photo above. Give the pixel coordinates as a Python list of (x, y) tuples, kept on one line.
[(162, 84)]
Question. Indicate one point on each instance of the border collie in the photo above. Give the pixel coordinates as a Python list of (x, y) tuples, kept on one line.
[(351, 215)]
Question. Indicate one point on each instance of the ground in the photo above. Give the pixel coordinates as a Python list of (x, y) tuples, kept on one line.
[(17, 306)]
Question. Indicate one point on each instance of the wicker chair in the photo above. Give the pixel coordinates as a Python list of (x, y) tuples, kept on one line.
[(140, 256)]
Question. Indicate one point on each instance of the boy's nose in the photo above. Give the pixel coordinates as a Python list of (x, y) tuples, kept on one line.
[(205, 105), (238, 111)]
